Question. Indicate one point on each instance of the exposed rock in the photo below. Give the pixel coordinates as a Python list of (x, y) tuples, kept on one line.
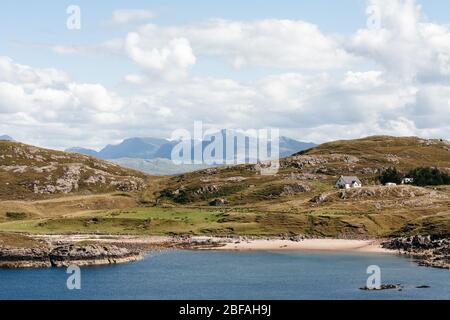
[(383, 287), (15, 169), (321, 198), (293, 189), (131, 185), (24, 258), (393, 158), (303, 176), (236, 179), (301, 162), (218, 202), (432, 251), (65, 255), (207, 189)]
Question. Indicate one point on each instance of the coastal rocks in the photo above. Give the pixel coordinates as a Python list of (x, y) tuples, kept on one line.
[(65, 255), (383, 287), (419, 242), (13, 258), (431, 251)]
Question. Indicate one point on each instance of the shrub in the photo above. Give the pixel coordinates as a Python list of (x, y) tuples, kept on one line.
[(429, 177), (16, 215), (391, 175)]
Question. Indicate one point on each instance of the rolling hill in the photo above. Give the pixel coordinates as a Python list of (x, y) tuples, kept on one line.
[(299, 200), (28, 172)]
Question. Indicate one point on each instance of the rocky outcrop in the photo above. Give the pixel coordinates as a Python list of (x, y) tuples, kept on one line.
[(431, 251), (383, 287), (66, 255), (24, 258), (218, 202), (296, 188)]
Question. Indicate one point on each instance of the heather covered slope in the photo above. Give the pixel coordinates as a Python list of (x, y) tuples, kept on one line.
[(28, 172), (379, 152)]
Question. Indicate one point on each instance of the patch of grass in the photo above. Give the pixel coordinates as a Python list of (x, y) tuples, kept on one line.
[(19, 241), (438, 225), (321, 186)]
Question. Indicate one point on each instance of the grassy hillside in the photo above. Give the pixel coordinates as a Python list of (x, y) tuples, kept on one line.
[(299, 199), (28, 172), (379, 152)]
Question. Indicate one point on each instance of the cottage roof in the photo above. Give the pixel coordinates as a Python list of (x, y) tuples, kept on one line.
[(350, 179)]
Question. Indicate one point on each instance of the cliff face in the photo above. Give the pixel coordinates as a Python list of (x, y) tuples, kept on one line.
[(30, 172)]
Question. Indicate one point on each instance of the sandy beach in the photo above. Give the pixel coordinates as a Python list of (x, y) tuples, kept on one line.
[(232, 244), (372, 246)]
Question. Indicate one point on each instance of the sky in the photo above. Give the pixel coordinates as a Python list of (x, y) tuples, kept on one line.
[(317, 70)]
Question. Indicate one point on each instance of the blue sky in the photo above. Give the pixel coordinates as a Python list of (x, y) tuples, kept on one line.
[(311, 68), (28, 25)]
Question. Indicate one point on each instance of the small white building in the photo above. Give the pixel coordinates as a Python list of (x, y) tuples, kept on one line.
[(408, 181), (345, 182)]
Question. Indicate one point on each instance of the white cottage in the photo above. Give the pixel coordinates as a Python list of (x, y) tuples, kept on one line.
[(348, 182)]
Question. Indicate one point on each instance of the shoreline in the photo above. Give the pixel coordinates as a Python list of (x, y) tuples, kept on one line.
[(59, 250), (87, 250), (229, 243)]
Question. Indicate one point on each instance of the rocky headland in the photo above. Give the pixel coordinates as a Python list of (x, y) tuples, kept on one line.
[(430, 251)]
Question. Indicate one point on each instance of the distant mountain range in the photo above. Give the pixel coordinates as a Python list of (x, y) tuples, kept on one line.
[(6, 138), (155, 148), (152, 155)]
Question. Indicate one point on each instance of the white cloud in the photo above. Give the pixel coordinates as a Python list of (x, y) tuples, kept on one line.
[(28, 76), (171, 57), (286, 44), (395, 80), (406, 45), (126, 16)]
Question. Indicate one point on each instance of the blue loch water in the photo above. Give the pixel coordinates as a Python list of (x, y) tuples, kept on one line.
[(233, 275)]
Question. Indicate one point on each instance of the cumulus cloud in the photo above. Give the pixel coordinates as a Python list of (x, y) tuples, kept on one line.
[(406, 44), (169, 57), (284, 44)]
